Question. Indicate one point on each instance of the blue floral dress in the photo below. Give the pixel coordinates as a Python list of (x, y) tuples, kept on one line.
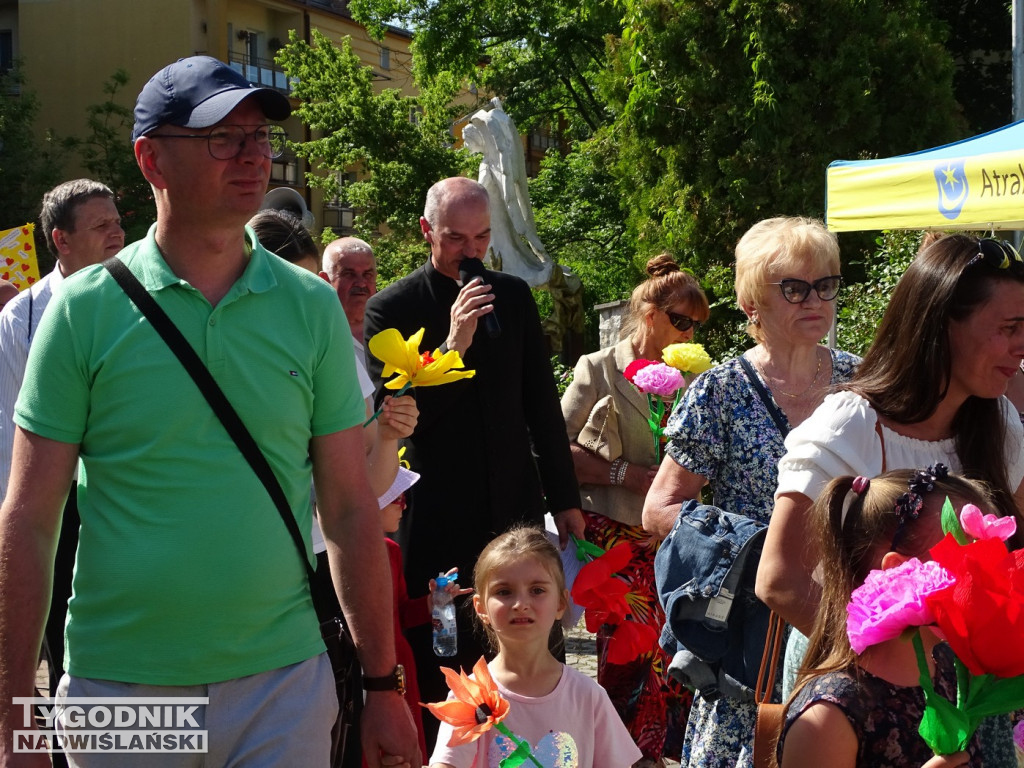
[(722, 431)]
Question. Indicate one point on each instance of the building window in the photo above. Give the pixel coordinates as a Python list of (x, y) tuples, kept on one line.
[(338, 214), (543, 139), (385, 58), (285, 170), (6, 49)]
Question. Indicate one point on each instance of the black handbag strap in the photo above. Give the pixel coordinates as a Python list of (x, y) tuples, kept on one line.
[(766, 398), (214, 396)]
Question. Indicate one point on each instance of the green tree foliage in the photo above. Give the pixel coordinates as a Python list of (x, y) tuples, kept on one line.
[(107, 155), (28, 167), (862, 305), (543, 58), (979, 33), (579, 219), (731, 112), (399, 146)]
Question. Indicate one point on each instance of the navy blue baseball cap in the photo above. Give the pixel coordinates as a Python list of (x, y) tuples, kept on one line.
[(198, 92)]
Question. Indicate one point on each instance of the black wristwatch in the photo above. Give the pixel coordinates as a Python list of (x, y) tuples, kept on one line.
[(393, 682)]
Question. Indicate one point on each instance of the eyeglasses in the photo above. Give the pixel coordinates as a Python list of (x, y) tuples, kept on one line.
[(226, 142), (795, 291), (998, 254), (682, 323)]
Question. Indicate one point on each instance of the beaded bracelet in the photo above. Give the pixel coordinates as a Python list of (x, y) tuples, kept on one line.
[(622, 472), (617, 472)]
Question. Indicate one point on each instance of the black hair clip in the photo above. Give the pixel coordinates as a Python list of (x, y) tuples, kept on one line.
[(909, 505)]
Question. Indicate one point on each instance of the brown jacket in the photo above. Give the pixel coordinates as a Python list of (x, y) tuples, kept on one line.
[(620, 430)]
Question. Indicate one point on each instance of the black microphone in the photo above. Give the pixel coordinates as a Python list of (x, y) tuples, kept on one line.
[(468, 269)]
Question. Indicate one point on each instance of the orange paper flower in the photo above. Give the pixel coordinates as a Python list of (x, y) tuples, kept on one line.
[(476, 708)]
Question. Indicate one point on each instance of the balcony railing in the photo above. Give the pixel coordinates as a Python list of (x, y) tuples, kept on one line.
[(263, 72)]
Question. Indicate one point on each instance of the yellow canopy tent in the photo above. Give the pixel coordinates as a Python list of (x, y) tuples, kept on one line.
[(977, 183)]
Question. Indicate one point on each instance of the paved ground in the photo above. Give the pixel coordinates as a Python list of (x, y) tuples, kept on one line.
[(581, 650)]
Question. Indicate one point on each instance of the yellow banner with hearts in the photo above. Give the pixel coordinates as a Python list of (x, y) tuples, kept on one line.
[(18, 262)]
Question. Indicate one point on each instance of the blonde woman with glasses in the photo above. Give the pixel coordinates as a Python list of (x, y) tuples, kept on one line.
[(728, 429)]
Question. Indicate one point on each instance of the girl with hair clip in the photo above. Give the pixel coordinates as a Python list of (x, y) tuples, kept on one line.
[(564, 717), (851, 710)]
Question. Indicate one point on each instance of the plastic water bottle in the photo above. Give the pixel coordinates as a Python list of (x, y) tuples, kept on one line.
[(443, 618)]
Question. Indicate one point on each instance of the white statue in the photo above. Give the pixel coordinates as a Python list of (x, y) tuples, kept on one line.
[(515, 247)]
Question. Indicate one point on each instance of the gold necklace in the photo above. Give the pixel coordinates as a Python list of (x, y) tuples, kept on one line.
[(780, 390)]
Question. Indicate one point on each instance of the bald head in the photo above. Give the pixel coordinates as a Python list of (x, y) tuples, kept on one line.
[(349, 266), (456, 190), (456, 222)]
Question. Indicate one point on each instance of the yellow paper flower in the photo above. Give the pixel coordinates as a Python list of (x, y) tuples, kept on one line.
[(416, 369), (687, 358)]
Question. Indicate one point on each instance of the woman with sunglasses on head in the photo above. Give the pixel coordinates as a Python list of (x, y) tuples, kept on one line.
[(724, 431), (614, 458), (931, 389)]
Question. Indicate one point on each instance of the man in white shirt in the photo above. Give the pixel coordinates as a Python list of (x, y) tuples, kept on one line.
[(82, 227)]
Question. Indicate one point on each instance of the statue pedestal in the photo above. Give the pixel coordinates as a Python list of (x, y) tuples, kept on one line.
[(609, 322)]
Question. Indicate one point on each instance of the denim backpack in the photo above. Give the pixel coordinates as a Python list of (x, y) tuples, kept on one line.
[(715, 627)]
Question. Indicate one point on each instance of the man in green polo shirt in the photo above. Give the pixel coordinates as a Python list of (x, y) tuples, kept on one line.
[(187, 583)]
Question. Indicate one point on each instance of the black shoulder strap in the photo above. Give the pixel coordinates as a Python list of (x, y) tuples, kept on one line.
[(214, 396), (766, 398)]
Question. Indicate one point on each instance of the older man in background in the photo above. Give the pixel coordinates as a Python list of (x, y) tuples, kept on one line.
[(351, 269)]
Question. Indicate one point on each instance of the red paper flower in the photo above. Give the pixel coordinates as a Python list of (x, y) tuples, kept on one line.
[(598, 591), (985, 609), (629, 641), (637, 365)]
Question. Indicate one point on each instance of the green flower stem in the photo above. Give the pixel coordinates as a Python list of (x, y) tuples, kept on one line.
[(922, 660), (963, 684), (585, 550), (405, 388), (656, 406), (520, 744)]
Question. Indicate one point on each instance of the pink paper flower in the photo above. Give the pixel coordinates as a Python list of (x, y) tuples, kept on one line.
[(658, 379), (893, 599), (636, 366), (980, 526)]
